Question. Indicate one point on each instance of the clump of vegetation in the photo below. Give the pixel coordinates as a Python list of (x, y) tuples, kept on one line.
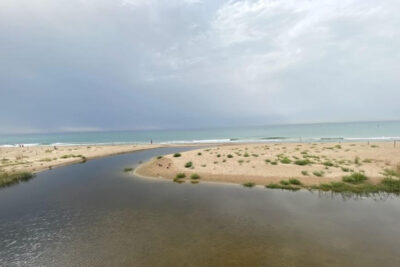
[(367, 160), (318, 173), (274, 162), (357, 160), (305, 173), (46, 159), (177, 155), (240, 161), (71, 156), (199, 154), (249, 184), (128, 169), (267, 160), (391, 173), (285, 160), (180, 176), (230, 156), (283, 182), (7, 179), (355, 178), (159, 157), (282, 186), (328, 163), (195, 176), (338, 146), (345, 169), (294, 181), (246, 155), (188, 164), (302, 162), (390, 185)]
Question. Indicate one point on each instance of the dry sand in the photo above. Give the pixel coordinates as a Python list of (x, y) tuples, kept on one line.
[(249, 162), (39, 158)]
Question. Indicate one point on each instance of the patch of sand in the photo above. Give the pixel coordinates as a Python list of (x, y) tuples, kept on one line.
[(255, 162), (39, 158)]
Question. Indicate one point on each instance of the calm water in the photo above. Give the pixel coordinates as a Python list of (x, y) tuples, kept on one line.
[(93, 214), (351, 131)]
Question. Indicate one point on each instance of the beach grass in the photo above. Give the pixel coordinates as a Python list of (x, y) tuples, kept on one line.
[(355, 178), (249, 184), (128, 169), (7, 179), (188, 164), (180, 176), (177, 155), (195, 176)]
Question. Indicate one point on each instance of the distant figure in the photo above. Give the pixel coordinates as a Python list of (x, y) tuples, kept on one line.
[(55, 148), (151, 141)]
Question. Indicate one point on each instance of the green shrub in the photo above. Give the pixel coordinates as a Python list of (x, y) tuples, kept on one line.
[(305, 173), (7, 179), (188, 164), (180, 176), (230, 156), (285, 160), (355, 178), (177, 155), (159, 157), (318, 173), (199, 154), (294, 181), (390, 185), (249, 184), (128, 169), (328, 164), (302, 162), (283, 182), (195, 176)]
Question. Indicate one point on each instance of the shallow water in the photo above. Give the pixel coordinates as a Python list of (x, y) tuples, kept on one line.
[(94, 214)]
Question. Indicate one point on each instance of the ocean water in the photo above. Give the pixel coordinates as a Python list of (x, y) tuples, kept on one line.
[(317, 132)]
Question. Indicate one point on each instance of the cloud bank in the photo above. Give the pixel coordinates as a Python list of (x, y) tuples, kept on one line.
[(147, 64)]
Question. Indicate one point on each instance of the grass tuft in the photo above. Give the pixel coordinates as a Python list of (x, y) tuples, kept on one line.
[(195, 176), (355, 178), (188, 164), (7, 179), (180, 176), (249, 184)]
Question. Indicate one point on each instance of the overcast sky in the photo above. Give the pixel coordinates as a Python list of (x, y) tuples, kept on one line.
[(70, 65)]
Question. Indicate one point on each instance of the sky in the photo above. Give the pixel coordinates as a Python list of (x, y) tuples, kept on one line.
[(79, 65)]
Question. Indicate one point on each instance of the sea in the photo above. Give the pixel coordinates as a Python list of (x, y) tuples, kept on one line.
[(313, 132)]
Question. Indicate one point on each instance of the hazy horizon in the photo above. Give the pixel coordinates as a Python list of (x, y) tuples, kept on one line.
[(103, 65)]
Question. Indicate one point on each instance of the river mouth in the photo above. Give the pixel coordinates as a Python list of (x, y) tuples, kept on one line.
[(94, 214)]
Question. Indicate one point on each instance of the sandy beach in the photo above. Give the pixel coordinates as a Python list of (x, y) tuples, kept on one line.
[(38, 158), (263, 164)]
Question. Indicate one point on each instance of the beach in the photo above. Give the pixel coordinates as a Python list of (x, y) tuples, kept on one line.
[(263, 164), (38, 158)]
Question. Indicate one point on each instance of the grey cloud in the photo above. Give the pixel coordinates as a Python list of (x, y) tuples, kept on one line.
[(138, 64)]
